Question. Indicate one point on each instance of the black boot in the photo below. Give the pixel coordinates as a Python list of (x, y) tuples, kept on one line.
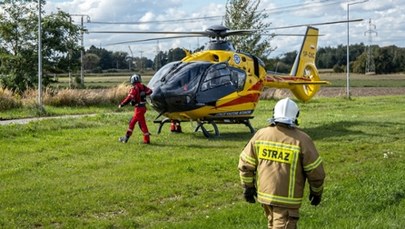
[(123, 139)]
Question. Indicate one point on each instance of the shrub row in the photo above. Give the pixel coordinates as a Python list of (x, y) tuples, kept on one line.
[(63, 97)]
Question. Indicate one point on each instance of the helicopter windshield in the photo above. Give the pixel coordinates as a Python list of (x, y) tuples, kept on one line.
[(161, 75), (186, 77)]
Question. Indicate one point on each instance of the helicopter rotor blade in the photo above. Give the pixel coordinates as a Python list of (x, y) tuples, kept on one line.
[(221, 31), (290, 35), (152, 39), (316, 24), (201, 33)]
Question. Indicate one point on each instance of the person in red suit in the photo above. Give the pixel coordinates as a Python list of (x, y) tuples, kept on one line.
[(137, 97)]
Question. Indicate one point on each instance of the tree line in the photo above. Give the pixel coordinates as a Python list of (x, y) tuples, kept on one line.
[(385, 60)]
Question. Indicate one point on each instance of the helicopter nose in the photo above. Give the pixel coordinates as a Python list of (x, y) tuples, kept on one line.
[(158, 100)]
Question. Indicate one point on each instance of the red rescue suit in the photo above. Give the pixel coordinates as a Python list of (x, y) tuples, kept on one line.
[(137, 96)]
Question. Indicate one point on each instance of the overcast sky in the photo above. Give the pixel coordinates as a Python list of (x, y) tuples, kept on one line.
[(387, 21)]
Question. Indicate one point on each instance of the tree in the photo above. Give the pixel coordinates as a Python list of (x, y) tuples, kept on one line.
[(18, 46), (90, 61), (19, 39), (120, 60), (106, 60), (160, 60), (175, 54), (386, 61), (60, 46), (244, 14)]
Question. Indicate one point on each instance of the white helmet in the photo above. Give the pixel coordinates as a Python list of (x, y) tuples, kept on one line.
[(285, 111), (135, 78)]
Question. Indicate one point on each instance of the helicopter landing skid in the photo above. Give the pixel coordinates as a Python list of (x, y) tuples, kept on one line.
[(214, 123), (208, 132), (161, 123)]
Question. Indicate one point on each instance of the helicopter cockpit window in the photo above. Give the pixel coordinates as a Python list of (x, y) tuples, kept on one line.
[(221, 74), (217, 75), (238, 78)]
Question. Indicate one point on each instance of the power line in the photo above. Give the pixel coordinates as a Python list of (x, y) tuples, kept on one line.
[(159, 22), (280, 9), (283, 9)]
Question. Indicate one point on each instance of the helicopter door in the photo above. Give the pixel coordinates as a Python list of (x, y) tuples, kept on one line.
[(218, 82)]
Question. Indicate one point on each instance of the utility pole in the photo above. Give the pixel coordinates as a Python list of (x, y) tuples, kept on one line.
[(81, 52), (39, 56), (141, 62), (157, 57), (370, 65), (131, 58), (82, 43)]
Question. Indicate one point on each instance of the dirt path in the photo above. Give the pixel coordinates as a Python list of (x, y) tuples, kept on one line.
[(27, 120), (340, 92)]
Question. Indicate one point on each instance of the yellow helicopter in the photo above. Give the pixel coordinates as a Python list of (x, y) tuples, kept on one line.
[(221, 85)]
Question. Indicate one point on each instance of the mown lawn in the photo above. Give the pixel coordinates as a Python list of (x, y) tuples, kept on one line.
[(73, 173)]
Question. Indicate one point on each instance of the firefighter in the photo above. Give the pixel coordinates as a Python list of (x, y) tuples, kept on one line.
[(275, 165), (137, 97)]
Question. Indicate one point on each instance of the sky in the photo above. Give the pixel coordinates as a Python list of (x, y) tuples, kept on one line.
[(383, 22)]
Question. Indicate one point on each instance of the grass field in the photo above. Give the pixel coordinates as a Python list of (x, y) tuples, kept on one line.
[(73, 173)]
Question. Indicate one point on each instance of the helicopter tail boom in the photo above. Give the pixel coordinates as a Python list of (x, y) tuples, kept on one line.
[(287, 81)]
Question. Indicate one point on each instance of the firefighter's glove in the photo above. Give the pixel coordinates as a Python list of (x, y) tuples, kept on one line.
[(315, 199), (250, 193)]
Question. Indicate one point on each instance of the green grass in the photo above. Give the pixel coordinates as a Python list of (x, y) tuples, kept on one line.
[(73, 173), (34, 111)]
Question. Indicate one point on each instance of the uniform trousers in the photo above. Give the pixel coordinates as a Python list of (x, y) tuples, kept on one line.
[(139, 116), (281, 217)]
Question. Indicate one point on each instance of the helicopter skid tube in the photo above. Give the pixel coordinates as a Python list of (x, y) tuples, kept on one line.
[(161, 123), (208, 133), (214, 122)]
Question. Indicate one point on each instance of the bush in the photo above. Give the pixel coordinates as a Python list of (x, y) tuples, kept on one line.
[(338, 68), (85, 97), (8, 101), (64, 97)]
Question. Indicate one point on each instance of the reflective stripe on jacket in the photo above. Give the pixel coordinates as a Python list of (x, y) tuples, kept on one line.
[(278, 160)]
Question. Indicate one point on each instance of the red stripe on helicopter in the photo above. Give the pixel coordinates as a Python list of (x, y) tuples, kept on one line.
[(257, 87), (252, 98)]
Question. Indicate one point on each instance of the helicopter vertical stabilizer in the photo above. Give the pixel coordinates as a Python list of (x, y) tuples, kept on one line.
[(307, 53), (304, 66)]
